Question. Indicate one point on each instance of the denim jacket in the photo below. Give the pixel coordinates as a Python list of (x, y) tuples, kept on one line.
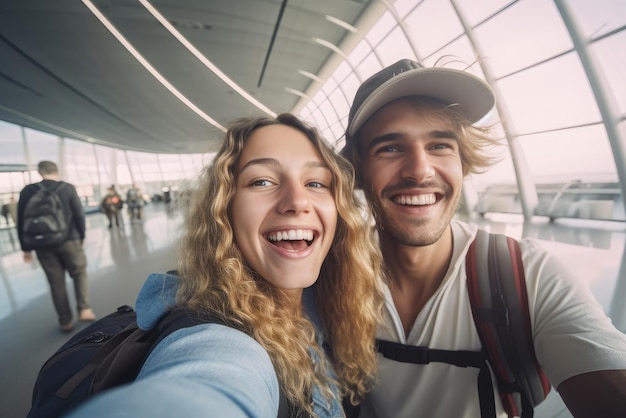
[(200, 371)]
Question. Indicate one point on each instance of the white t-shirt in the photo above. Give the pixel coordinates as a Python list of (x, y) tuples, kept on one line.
[(572, 335)]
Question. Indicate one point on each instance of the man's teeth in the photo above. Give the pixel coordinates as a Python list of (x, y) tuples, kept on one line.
[(291, 235), (417, 200)]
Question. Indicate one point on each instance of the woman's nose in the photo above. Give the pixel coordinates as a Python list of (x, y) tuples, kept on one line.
[(294, 198)]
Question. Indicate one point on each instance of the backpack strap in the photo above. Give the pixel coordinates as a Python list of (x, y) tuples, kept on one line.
[(497, 292), (462, 358)]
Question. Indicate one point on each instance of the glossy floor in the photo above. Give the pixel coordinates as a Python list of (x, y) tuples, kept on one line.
[(120, 259)]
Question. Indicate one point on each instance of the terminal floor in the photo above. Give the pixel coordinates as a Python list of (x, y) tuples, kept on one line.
[(120, 259)]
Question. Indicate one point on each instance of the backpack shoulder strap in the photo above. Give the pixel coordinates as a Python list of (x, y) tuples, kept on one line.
[(497, 292)]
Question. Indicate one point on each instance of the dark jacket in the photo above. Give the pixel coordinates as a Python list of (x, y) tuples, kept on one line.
[(71, 204)]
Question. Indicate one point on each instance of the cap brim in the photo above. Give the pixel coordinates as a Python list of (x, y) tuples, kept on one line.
[(472, 97)]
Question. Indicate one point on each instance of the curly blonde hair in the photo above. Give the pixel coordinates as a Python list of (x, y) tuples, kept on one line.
[(474, 141), (216, 279)]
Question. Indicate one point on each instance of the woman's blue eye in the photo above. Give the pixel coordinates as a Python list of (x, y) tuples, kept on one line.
[(316, 184), (261, 183)]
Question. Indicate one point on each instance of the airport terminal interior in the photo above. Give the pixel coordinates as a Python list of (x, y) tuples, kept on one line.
[(139, 92)]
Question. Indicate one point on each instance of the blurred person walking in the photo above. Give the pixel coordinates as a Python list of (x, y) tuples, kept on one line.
[(51, 221), (111, 205)]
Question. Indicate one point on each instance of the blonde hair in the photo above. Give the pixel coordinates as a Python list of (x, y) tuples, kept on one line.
[(474, 141), (216, 279)]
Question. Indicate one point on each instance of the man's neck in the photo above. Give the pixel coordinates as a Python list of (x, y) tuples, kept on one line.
[(415, 273), (54, 177)]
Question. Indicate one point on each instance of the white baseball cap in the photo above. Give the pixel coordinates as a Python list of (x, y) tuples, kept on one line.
[(472, 97)]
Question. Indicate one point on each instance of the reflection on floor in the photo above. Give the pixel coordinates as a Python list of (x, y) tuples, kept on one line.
[(120, 259)]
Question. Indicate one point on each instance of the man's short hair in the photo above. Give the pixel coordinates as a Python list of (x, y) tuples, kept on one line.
[(47, 167)]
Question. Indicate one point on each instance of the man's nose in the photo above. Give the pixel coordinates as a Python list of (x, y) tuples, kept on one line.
[(418, 165)]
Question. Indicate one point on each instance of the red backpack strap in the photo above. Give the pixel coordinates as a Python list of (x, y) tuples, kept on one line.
[(497, 292)]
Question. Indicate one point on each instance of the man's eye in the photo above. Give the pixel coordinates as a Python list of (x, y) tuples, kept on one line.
[(388, 148)]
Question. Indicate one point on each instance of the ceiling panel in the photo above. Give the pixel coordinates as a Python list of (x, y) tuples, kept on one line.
[(62, 71)]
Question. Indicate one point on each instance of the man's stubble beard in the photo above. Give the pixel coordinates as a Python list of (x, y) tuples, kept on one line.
[(416, 233)]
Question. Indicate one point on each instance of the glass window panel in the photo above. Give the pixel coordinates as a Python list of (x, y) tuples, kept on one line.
[(326, 135), (184, 160), (329, 85), (170, 166), (190, 168), (42, 146), (80, 162), (431, 25), (122, 168), (502, 171), (340, 104), (458, 55), (611, 57), (477, 11), (524, 34), (320, 122), (404, 7), (579, 153), (329, 112), (393, 48), (81, 169), (198, 163), (11, 144), (599, 16), (105, 157), (359, 52), (308, 118), (12, 183), (368, 67), (144, 166), (552, 95), (349, 88), (381, 28), (337, 132), (343, 70), (306, 110), (319, 98)]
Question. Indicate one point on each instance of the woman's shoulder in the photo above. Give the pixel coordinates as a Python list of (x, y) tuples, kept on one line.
[(156, 297)]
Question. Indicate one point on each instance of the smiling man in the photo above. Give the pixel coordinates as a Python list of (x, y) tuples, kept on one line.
[(412, 139)]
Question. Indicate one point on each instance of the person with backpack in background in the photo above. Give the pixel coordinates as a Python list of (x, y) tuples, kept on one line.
[(134, 202), (51, 222), (275, 213), (412, 139), (112, 205)]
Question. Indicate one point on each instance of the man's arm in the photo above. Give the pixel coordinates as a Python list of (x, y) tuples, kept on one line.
[(76, 207), (596, 394)]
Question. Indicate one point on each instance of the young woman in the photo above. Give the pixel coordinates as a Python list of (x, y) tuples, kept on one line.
[(275, 213)]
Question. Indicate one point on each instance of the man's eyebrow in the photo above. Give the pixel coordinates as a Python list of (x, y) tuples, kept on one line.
[(444, 135), (382, 138)]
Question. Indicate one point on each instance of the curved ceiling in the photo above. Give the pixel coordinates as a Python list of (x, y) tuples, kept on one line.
[(65, 69)]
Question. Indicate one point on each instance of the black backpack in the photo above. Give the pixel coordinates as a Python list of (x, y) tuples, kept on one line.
[(108, 353), (44, 220), (497, 292)]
